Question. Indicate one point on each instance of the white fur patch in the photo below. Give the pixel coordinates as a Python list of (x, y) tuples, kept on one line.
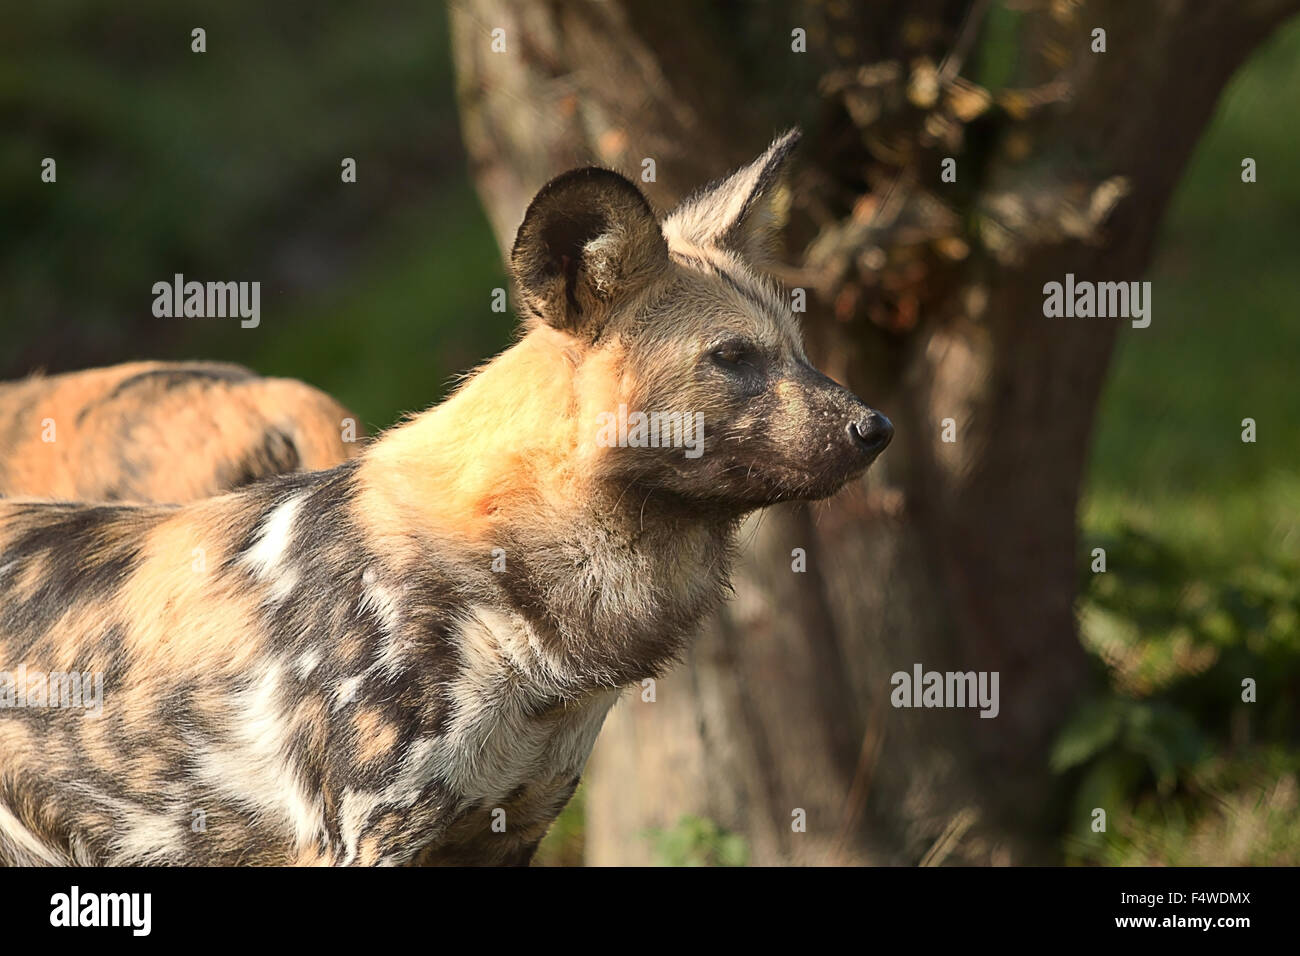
[(493, 743), (273, 539), (252, 766), (347, 692), (20, 845), (354, 810), (382, 602), (307, 662), (142, 836)]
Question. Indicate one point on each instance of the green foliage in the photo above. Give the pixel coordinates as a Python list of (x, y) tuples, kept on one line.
[(1222, 343), (1238, 810), (389, 336), (1201, 530), (1124, 742), (1176, 637), (221, 165), (565, 843), (998, 51), (1163, 620), (696, 841)]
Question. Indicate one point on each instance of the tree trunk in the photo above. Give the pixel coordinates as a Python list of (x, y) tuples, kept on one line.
[(926, 298)]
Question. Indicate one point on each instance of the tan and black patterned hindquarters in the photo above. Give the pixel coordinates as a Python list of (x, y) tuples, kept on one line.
[(61, 570), (166, 432)]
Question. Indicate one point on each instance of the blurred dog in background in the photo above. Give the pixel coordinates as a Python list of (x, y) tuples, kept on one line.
[(164, 432)]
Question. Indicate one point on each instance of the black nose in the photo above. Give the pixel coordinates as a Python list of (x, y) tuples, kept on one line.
[(872, 432)]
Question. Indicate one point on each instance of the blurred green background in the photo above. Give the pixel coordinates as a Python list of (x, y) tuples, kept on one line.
[(1203, 547), (226, 166)]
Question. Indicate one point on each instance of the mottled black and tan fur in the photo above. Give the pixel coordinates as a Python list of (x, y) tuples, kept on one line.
[(375, 663)]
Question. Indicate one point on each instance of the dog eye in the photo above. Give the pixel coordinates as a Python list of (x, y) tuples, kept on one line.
[(733, 354)]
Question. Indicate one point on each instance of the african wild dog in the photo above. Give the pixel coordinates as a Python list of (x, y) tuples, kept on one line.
[(361, 665), (163, 432)]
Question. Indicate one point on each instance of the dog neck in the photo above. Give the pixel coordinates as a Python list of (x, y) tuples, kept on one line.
[(611, 577)]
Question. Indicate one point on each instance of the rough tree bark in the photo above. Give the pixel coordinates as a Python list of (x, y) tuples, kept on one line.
[(926, 298)]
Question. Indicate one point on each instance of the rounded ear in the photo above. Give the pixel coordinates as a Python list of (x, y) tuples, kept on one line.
[(589, 240), (736, 212)]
